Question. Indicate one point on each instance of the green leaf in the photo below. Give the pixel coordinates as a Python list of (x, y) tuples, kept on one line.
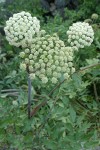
[(72, 114), (77, 79)]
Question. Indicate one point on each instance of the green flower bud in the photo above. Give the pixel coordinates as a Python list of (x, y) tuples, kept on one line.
[(37, 73), (66, 75), (59, 69), (43, 32), (49, 71), (88, 20), (55, 74), (36, 53), (22, 54), (54, 80), (70, 64), (30, 56), (72, 70), (31, 68), (32, 76), (33, 50), (23, 66), (40, 50), (37, 65), (49, 64), (27, 60), (49, 56), (42, 65), (44, 80), (45, 42), (94, 16), (45, 53), (40, 61), (45, 60), (42, 70), (43, 46), (64, 69), (59, 75), (53, 67), (70, 58), (27, 50), (57, 62), (31, 62)]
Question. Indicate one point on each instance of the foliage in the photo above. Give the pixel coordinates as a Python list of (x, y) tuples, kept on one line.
[(70, 119)]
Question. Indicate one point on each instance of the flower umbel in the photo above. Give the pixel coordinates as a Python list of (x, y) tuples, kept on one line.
[(21, 28), (94, 16), (80, 34), (48, 59), (44, 56)]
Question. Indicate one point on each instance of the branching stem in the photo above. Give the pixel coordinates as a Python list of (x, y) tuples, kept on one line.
[(34, 111)]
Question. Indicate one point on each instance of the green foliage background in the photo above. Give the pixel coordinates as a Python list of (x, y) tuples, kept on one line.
[(71, 118)]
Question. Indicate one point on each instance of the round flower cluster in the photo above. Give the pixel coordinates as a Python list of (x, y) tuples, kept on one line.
[(48, 59), (88, 21), (80, 34), (21, 28), (94, 16)]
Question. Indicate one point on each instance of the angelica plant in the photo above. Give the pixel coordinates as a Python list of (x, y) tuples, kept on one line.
[(43, 56)]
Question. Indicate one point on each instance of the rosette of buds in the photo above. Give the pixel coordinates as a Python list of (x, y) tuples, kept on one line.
[(21, 28), (94, 16), (80, 34), (48, 59)]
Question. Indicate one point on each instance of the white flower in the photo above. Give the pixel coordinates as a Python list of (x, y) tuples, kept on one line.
[(31, 68), (66, 75), (59, 69), (49, 71), (55, 74), (20, 29), (23, 66), (49, 63), (56, 62), (44, 80), (27, 50), (31, 62), (72, 70), (54, 80), (30, 56), (37, 65), (70, 58), (43, 70), (43, 65), (32, 76), (70, 64), (22, 54), (27, 60), (79, 34)]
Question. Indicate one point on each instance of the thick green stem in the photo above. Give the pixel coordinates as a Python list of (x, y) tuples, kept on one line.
[(29, 96)]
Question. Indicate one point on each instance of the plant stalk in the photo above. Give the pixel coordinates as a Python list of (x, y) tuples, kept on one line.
[(29, 96)]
